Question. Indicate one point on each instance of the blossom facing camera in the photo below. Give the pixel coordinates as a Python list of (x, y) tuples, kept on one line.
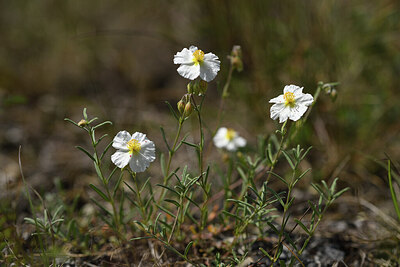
[(291, 105), (194, 63), (228, 139), (135, 150)]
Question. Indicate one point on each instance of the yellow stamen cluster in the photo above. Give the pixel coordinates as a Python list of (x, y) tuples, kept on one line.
[(230, 134), (289, 99), (198, 56), (134, 146)]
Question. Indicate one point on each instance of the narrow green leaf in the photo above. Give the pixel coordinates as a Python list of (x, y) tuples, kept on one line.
[(188, 247), (190, 144), (99, 192), (289, 239), (319, 190), (164, 138), (140, 238), (92, 120), (117, 184), (105, 150), (305, 153), (101, 138), (98, 171), (86, 152), (166, 211), (239, 202), (338, 194), (112, 174), (241, 173), (302, 226), (172, 110), (133, 190), (232, 215), (192, 201), (85, 114), (314, 208), (176, 203), (277, 196), (102, 124), (265, 253), (169, 188), (144, 185), (101, 207), (71, 121), (279, 177), (163, 166), (273, 227), (289, 160)]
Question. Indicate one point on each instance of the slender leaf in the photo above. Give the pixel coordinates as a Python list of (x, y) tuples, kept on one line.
[(302, 226), (172, 110), (99, 192), (188, 247), (289, 160), (105, 150), (86, 152), (165, 138), (85, 114), (102, 124)]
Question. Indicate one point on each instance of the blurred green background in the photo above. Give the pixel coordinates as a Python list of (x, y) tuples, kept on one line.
[(115, 58)]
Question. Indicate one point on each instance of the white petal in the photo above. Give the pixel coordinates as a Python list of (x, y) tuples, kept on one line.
[(120, 158), (291, 88), (148, 150), (305, 99), (276, 109), (219, 139), (191, 71), (296, 112), (210, 57), (183, 57), (120, 140), (139, 136), (239, 141), (278, 99), (231, 146), (209, 70), (284, 115), (138, 163), (193, 48)]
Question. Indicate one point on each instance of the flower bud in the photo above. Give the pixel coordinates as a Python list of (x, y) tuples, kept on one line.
[(188, 109), (83, 123), (333, 94), (181, 106), (190, 87), (202, 87), (236, 58)]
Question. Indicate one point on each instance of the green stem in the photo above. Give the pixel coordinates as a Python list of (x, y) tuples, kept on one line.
[(203, 183), (139, 197), (105, 183), (281, 146), (392, 192), (224, 95), (170, 155), (285, 210)]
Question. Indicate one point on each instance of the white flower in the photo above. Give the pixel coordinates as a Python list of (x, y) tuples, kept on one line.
[(291, 105), (229, 139), (135, 150), (195, 63)]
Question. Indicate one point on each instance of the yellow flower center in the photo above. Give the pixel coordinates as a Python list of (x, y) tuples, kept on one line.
[(289, 99), (230, 134), (134, 146), (198, 56)]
